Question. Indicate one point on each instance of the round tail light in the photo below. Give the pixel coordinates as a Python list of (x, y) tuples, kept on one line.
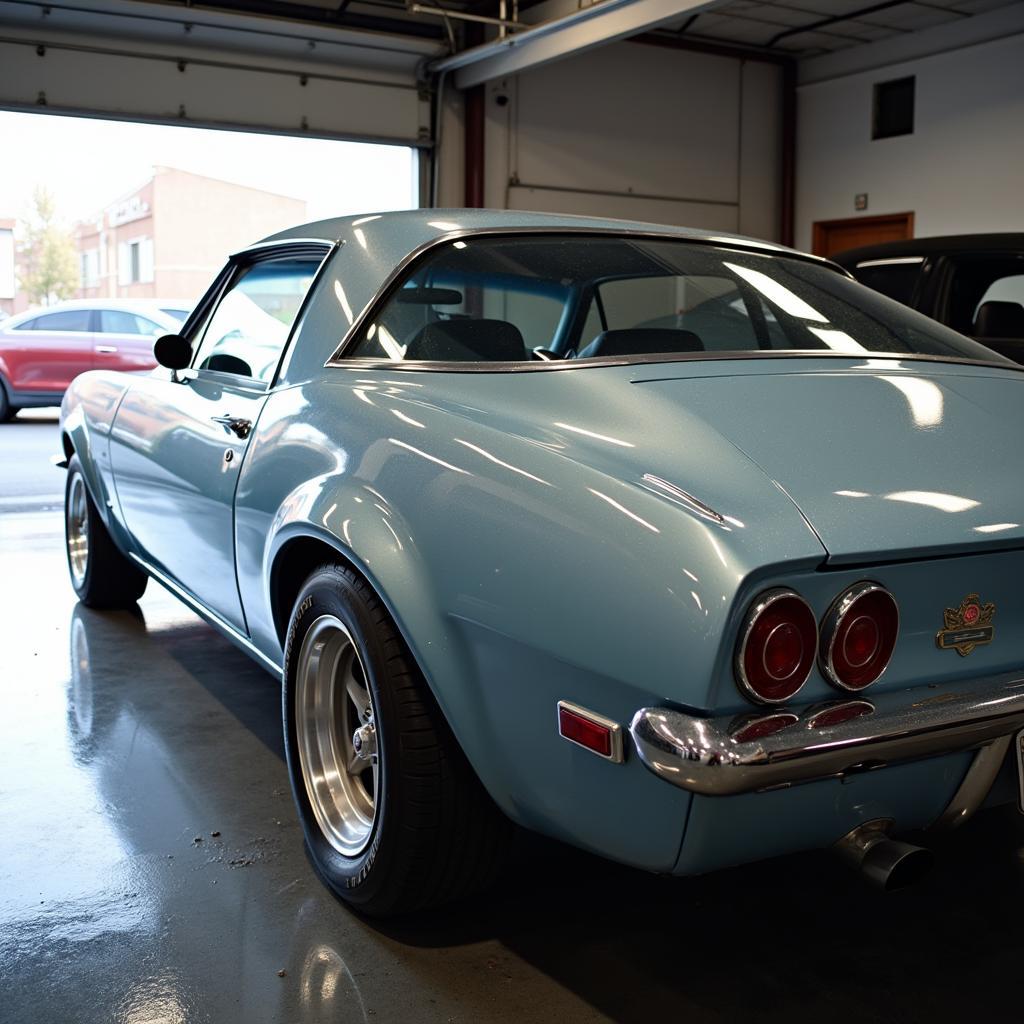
[(776, 649), (858, 636)]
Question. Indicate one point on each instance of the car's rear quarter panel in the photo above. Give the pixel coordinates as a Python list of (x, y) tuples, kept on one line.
[(521, 567)]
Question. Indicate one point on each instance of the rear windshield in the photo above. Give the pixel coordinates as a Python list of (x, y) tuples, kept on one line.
[(551, 297)]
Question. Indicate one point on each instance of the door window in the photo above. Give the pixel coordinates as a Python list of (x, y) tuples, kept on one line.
[(249, 328), (65, 320), (119, 321)]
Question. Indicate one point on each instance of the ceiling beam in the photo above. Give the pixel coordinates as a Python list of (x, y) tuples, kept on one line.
[(603, 22)]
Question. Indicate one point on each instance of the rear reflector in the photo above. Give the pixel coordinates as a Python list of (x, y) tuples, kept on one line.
[(591, 731), (759, 728), (839, 713)]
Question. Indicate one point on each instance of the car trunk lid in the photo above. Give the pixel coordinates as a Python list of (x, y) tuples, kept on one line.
[(886, 462)]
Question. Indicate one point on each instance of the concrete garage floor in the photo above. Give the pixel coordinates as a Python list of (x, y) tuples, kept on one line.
[(151, 868)]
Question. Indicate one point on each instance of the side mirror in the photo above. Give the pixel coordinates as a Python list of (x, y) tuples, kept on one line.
[(172, 351)]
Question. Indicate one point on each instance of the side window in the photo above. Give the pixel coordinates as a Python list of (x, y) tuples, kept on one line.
[(66, 320), (28, 325), (118, 321), (895, 278), (248, 330)]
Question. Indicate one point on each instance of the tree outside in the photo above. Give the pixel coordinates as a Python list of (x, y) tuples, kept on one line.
[(48, 258)]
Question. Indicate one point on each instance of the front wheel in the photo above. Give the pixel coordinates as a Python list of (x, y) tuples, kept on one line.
[(393, 814), (7, 411), (101, 576)]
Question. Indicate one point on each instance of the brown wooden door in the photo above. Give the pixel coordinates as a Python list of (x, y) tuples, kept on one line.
[(832, 236)]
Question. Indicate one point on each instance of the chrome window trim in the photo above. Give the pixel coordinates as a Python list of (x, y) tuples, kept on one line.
[(762, 602), (364, 365), (833, 619), (617, 755), (892, 261)]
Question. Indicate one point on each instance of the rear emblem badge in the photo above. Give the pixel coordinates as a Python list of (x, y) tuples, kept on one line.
[(967, 627)]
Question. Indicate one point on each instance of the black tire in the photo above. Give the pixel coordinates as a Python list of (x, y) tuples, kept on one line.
[(7, 411), (436, 835), (101, 576)]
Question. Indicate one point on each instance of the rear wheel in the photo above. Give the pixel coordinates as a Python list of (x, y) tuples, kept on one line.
[(393, 814), (101, 576)]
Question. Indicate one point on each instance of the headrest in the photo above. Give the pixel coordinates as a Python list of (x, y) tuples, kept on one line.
[(468, 341), (639, 341), (999, 320)]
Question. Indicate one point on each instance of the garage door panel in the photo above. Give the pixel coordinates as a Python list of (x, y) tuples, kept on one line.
[(93, 76)]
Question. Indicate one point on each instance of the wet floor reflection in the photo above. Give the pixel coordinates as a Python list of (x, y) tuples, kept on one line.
[(151, 870)]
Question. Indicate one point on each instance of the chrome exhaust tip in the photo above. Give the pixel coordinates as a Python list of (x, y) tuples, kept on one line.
[(887, 864)]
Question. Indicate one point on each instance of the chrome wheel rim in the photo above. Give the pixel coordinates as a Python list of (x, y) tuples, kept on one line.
[(337, 736), (77, 517)]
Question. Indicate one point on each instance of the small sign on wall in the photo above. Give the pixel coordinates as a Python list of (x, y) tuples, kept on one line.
[(860, 201)]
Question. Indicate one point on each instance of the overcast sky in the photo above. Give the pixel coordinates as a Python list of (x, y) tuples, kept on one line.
[(88, 164)]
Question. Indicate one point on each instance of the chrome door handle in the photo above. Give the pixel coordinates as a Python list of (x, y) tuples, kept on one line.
[(106, 349), (234, 425)]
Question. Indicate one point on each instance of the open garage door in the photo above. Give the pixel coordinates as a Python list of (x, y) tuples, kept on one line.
[(175, 64)]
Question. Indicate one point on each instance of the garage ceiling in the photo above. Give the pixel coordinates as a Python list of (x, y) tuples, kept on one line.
[(806, 28), (361, 68)]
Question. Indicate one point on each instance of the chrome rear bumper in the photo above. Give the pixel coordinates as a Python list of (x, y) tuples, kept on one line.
[(703, 755)]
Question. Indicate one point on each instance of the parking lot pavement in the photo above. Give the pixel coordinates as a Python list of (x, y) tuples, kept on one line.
[(28, 480), (152, 869)]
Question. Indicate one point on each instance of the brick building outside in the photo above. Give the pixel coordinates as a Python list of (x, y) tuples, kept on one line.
[(169, 238)]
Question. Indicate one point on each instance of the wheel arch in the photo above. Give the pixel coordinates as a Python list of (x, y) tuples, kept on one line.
[(293, 564), (400, 586)]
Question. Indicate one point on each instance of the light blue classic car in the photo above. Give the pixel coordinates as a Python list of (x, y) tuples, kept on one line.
[(682, 548)]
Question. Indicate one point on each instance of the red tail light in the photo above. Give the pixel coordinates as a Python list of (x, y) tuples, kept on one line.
[(858, 636), (776, 648)]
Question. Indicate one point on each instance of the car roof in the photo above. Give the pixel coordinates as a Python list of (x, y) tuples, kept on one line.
[(1004, 241), (398, 233), (151, 307)]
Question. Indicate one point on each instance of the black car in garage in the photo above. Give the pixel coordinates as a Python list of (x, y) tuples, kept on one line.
[(972, 283)]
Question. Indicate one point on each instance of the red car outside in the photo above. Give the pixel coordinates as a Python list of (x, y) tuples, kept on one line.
[(42, 351)]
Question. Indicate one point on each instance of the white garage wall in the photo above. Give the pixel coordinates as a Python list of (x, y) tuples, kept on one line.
[(962, 170), (640, 132)]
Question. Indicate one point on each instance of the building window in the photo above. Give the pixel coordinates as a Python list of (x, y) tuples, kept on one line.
[(90, 268), (893, 108), (135, 261)]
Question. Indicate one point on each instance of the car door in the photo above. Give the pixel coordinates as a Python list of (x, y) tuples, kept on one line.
[(124, 340), (46, 353), (178, 441)]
